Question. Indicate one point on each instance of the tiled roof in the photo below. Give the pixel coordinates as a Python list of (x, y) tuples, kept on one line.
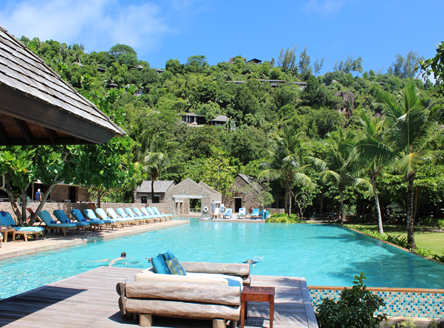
[(250, 180), (159, 186), (23, 71), (221, 118)]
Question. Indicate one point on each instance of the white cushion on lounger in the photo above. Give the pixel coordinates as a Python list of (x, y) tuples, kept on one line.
[(149, 276)]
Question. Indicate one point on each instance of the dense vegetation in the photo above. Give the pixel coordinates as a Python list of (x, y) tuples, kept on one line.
[(339, 144)]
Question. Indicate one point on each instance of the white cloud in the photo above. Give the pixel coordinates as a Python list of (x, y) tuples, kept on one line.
[(98, 24), (324, 6)]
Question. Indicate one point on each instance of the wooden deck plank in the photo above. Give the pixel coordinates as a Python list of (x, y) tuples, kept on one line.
[(90, 300)]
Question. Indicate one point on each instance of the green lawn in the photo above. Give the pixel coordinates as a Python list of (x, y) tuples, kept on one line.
[(433, 241)]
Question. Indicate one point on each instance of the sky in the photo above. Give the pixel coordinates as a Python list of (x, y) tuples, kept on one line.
[(375, 30)]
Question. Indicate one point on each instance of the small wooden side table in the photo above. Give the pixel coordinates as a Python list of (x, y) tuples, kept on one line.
[(256, 294), (5, 232)]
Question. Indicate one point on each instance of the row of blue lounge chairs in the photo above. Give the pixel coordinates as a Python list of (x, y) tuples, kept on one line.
[(101, 218), (255, 214)]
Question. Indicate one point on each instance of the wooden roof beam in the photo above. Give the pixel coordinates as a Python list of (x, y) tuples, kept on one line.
[(52, 135), (24, 129), (4, 137)]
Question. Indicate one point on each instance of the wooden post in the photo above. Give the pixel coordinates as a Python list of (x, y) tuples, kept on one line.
[(145, 320), (219, 323)]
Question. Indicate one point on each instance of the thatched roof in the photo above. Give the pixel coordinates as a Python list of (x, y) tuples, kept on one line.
[(38, 107)]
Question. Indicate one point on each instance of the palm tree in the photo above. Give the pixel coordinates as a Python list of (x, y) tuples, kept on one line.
[(153, 164), (286, 163), (340, 164), (412, 130), (373, 154)]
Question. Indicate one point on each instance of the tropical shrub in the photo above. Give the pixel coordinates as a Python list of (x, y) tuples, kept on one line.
[(355, 308), (424, 252), (283, 218), (439, 258)]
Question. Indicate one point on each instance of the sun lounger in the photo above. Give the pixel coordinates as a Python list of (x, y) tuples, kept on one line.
[(242, 213), (227, 213), (154, 215), (122, 220), (255, 214), (78, 216), (105, 217), (124, 216), (63, 218), (37, 219), (52, 225), (93, 217), (263, 214), (141, 214), (7, 220), (154, 218), (131, 214), (156, 211)]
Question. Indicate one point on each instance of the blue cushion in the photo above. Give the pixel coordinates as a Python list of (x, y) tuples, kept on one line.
[(175, 267), (159, 265), (53, 222), (233, 282), (168, 256)]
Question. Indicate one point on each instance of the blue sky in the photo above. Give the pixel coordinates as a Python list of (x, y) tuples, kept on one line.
[(160, 30)]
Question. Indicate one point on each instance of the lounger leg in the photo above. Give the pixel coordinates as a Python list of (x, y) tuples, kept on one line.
[(64, 232), (219, 323), (146, 320)]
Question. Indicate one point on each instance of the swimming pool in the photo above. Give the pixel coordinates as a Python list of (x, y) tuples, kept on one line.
[(327, 255)]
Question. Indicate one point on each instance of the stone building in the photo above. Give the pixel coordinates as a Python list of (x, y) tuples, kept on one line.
[(246, 193), (178, 197), (143, 193)]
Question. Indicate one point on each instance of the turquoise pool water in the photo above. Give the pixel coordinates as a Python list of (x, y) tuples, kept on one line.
[(327, 255)]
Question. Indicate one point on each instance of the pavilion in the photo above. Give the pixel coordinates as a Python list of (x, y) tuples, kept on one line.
[(37, 107)]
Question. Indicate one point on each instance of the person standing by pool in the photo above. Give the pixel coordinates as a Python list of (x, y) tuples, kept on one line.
[(38, 195), (213, 209)]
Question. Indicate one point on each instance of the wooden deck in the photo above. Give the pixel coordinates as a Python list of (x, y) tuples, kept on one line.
[(90, 300)]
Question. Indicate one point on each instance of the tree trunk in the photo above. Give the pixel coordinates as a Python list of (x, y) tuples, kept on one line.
[(342, 204), (321, 209), (378, 207), (99, 199), (23, 209), (410, 218), (43, 201), (289, 205), (416, 204), (152, 191)]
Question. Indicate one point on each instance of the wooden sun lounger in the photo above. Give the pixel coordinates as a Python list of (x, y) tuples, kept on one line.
[(25, 234), (52, 228)]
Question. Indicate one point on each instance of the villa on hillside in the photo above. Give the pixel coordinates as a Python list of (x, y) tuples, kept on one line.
[(245, 193), (198, 120), (275, 83), (143, 193)]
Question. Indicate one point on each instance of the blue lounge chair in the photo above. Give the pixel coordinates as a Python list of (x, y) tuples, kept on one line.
[(154, 215), (7, 220), (227, 213), (63, 218), (142, 215), (124, 216), (151, 217), (156, 211), (255, 214), (242, 213), (77, 215), (118, 218), (131, 214), (52, 225), (103, 216), (263, 214), (93, 217)]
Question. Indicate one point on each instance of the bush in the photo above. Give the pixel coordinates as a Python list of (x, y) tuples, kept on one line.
[(283, 218), (355, 308)]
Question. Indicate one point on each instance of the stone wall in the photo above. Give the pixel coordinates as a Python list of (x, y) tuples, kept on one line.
[(138, 197), (60, 193), (189, 189), (246, 192)]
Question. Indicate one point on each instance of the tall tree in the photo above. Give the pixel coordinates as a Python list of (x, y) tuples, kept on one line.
[(286, 163), (340, 164), (153, 165), (287, 60), (374, 154), (413, 130)]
